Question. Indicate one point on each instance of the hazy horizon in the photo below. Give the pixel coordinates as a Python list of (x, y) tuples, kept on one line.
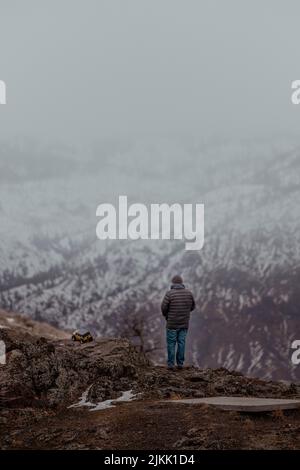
[(81, 71)]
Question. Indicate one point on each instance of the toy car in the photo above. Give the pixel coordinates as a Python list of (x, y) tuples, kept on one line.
[(82, 338)]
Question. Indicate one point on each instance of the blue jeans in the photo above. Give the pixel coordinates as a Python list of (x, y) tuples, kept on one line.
[(176, 337)]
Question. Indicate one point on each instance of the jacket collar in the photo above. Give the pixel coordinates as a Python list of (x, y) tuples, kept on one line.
[(177, 286)]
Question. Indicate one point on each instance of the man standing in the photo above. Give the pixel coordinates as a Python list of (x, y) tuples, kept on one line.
[(176, 307)]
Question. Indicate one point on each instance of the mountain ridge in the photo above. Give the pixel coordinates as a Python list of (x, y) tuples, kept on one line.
[(245, 279)]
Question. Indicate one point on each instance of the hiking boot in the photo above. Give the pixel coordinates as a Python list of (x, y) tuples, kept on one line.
[(179, 367), (171, 368)]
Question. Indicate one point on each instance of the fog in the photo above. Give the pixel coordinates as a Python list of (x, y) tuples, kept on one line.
[(78, 71), (161, 101)]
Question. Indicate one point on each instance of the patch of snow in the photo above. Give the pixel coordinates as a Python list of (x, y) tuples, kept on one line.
[(83, 400), (126, 396)]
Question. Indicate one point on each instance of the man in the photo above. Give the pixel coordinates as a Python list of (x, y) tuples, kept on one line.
[(176, 307)]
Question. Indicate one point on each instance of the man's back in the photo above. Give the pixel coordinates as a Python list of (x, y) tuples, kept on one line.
[(176, 307)]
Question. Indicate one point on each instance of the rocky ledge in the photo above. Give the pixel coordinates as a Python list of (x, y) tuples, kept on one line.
[(46, 373)]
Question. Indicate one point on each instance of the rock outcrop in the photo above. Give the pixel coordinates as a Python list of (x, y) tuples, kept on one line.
[(45, 376), (54, 371)]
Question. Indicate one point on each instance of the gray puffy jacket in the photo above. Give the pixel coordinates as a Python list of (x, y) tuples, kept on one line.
[(176, 307)]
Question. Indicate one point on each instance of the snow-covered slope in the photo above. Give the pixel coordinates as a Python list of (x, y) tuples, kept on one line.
[(245, 279)]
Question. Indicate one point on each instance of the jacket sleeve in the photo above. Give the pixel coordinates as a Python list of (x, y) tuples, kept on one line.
[(193, 304), (165, 305)]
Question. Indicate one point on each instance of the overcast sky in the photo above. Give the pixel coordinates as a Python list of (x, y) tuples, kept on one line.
[(77, 70)]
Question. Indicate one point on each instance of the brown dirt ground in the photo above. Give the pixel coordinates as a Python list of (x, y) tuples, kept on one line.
[(149, 425)]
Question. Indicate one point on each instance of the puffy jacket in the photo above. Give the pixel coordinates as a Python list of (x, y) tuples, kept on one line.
[(176, 307)]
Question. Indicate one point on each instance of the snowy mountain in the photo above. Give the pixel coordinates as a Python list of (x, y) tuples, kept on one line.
[(245, 279)]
